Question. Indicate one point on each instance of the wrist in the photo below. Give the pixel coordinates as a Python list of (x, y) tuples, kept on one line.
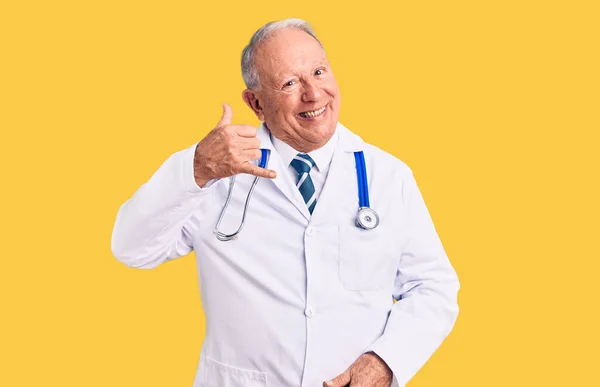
[(199, 175)]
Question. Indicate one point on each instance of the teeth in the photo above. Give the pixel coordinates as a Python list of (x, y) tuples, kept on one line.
[(313, 113)]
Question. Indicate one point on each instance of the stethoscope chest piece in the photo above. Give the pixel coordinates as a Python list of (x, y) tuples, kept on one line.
[(367, 218)]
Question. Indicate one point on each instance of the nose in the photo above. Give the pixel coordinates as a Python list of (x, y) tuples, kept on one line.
[(312, 91)]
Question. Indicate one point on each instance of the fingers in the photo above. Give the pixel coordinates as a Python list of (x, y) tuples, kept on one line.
[(246, 130), (251, 154), (255, 170), (249, 143), (230, 149), (341, 380), (227, 116)]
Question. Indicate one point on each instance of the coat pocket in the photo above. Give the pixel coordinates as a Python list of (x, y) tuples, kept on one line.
[(222, 375), (368, 258)]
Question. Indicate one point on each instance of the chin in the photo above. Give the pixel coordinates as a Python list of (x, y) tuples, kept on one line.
[(321, 133)]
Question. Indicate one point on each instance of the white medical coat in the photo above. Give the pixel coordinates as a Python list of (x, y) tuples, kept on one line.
[(296, 299)]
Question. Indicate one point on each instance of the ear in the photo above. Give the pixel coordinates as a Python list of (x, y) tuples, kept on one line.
[(251, 98)]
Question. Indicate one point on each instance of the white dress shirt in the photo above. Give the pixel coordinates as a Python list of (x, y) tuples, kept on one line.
[(321, 157)]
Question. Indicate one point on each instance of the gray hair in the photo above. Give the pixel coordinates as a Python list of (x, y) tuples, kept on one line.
[(249, 71)]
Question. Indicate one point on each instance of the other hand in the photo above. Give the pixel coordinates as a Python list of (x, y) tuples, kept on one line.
[(369, 370)]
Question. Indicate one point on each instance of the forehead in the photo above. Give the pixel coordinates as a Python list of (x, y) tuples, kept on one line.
[(288, 51)]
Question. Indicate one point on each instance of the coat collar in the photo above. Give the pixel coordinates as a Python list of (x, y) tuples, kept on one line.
[(321, 157), (347, 142)]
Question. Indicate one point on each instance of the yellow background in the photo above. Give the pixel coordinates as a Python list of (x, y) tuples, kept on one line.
[(493, 104)]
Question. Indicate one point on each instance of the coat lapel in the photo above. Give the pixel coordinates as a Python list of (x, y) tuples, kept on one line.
[(285, 185), (340, 185)]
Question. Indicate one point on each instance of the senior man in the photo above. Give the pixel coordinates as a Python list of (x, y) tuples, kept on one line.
[(302, 296)]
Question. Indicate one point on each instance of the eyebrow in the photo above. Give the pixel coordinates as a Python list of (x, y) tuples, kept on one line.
[(287, 76)]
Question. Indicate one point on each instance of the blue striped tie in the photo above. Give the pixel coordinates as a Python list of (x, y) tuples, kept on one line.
[(302, 163)]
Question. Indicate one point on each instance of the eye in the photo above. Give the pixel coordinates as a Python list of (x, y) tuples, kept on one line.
[(289, 83), (319, 72)]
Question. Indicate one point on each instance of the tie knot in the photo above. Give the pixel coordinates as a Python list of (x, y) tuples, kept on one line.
[(302, 163)]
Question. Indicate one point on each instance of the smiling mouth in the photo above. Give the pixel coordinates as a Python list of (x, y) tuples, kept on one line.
[(313, 113)]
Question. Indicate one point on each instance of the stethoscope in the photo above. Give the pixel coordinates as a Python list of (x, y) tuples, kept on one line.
[(366, 218)]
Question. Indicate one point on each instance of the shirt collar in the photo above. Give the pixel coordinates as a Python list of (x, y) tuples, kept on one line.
[(322, 156), (347, 141)]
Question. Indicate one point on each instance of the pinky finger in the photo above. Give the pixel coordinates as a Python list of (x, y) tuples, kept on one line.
[(257, 171)]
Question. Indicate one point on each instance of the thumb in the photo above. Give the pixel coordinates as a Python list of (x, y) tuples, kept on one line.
[(227, 116), (341, 380)]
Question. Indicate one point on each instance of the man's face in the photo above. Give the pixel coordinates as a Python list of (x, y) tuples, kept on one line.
[(299, 99)]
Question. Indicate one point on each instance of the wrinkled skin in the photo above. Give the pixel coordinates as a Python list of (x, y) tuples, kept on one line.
[(295, 77), (227, 150), (369, 370)]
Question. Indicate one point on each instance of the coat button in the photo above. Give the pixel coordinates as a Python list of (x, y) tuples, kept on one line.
[(308, 312), (310, 231)]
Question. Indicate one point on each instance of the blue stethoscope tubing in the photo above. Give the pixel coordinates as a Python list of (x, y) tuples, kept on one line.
[(363, 190), (366, 218)]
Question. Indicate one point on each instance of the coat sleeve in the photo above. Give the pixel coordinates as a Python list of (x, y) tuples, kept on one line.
[(150, 227), (425, 290)]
